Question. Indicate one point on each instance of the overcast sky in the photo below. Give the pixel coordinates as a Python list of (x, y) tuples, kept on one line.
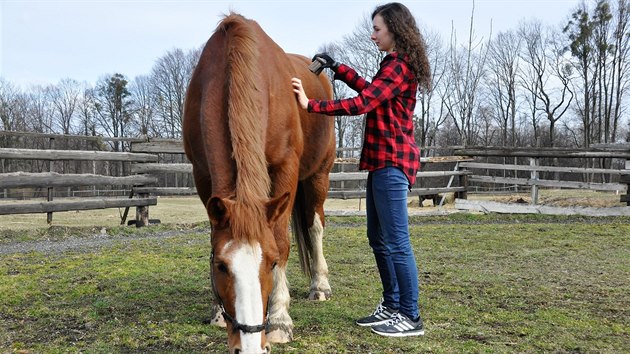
[(44, 41)]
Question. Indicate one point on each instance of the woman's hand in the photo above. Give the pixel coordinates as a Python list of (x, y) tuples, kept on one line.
[(299, 92), (327, 61)]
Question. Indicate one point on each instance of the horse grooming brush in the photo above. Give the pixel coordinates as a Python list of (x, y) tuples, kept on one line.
[(317, 66)]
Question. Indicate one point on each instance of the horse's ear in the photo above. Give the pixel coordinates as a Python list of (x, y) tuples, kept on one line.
[(218, 210), (277, 206)]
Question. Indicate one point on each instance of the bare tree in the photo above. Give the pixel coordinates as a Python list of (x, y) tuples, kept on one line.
[(432, 118), (555, 93), (503, 68), (39, 111), (144, 105), (545, 75), (532, 70), (170, 76), (489, 131), (11, 107), (466, 67), (87, 112), (64, 97)]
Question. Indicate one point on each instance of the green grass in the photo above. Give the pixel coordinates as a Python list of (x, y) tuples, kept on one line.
[(489, 284)]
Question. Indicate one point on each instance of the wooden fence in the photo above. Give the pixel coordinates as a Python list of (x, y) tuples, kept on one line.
[(51, 180), (149, 160), (484, 173), (147, 163), (349, 190)]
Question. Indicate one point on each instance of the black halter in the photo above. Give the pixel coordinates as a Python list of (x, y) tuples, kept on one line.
[(236, 326)]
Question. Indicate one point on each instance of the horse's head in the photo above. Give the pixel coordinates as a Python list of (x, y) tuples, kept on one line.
[(244, 255)]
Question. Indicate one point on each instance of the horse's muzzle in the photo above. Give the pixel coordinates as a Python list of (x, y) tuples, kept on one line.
[(267, 350)]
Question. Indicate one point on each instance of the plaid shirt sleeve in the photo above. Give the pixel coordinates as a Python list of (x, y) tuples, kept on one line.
[(387, 83), (351, 78)]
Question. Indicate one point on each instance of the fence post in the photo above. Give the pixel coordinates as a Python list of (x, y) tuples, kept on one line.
[(533, 161), (625, 178), (4, 190), (51, 191), (142, 212), (463, 182)]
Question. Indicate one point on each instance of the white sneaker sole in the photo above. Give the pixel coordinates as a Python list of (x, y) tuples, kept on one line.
[(400, 334)]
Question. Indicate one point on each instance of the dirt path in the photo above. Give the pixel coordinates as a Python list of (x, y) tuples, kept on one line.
[(88, 243)]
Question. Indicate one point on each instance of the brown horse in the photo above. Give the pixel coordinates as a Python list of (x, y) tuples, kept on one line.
[(256, 158)]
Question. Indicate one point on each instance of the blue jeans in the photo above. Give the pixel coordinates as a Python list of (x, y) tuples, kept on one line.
[(388, 234)]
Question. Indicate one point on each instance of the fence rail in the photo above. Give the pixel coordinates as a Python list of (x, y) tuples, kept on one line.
[(147, 162), (534, 158), (68, 205), (58, 155), (510, 167), (53, 179), (543, 152)]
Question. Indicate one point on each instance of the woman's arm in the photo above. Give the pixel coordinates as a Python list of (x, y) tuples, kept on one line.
[(351, 78), (388, 83)]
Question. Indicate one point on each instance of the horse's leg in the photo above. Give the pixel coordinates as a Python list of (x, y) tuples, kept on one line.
[(204, 190), (280, 324), (280, 328), (315, 191)]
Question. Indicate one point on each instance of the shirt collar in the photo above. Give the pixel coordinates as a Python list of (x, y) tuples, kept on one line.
[(396, 55)]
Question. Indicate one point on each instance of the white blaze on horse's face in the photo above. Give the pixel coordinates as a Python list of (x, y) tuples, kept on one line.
[(246, 261)]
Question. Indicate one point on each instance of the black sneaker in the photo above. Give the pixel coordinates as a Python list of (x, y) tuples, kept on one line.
[(382, 314), (400, 326)]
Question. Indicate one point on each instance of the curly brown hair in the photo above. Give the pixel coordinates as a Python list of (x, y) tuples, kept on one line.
[(408, 40)]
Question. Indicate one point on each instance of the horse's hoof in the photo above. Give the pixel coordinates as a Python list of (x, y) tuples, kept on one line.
[(217, 319), (318, 295), (279, 334)]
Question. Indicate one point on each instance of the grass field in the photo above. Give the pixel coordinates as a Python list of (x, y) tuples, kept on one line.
[(489, 284)]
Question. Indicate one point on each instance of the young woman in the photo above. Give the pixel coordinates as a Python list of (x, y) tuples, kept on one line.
[(390, 155)]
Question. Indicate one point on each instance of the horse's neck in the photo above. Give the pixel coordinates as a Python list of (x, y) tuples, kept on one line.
[(245, 108)]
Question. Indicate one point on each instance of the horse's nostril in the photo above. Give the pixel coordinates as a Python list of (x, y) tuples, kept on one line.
[(267, 348), (237, 351)]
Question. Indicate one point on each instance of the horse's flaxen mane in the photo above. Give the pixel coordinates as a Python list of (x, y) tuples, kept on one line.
[(244, 114)]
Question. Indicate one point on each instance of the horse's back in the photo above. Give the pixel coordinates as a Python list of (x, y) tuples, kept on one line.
[(287, 128)]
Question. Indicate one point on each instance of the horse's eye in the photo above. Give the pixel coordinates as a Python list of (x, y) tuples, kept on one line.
[(222, 268), (274, 265)]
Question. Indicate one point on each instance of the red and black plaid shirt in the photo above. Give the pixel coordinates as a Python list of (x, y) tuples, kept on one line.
[(389, 102)]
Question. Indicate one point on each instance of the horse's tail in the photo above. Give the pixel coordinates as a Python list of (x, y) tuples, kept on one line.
[(246, 108), (299, 224)]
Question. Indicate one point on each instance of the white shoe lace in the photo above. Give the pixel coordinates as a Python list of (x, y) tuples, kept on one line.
[(380, 308), (396, 319)]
